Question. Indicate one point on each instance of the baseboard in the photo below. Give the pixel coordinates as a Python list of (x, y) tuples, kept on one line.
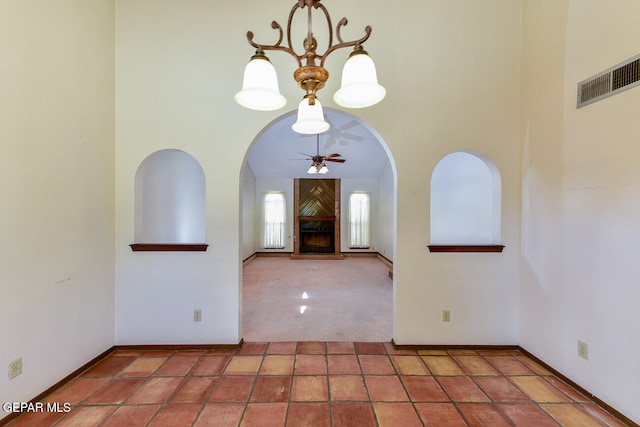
[(344, 254), (384, 259), (360, 254), (248, 259), (142, 347), (317, 256), (12, 416), (340, 256), (255, 255), (604, 405), (273, 254), (452, 347), (176, 347)]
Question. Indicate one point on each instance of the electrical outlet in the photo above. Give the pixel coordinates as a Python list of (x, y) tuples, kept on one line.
[(197, 315), (583, 350), (446, 315), (15, 368)]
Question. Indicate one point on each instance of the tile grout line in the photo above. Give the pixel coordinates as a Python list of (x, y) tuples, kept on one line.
[(506, 377), (508, 372), (205, 399), (255, 381), (454, 403)]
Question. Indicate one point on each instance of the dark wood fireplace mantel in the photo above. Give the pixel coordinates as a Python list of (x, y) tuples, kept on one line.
[(317, 219)]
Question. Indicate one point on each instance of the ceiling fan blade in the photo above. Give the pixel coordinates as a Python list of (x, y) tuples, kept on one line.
[(326, 156), (347, 135), (305, 154), (349, 125), (336, 160)]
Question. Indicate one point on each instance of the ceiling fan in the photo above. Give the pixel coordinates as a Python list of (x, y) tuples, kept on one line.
[(318, 164), (341, 135)]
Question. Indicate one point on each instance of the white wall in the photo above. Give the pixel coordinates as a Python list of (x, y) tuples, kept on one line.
[(248, 212), (464, 97), (57, 189), (581, 204), (175, 61), (175, 91), (386, 210)]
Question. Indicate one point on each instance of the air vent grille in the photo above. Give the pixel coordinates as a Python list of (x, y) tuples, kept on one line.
[(609, 82), (625, 75), (596, 88)]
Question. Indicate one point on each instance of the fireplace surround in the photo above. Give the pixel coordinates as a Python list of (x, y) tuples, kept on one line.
[(317, 218)]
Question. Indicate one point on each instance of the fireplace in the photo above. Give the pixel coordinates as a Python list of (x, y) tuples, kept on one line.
[(317, 219), (317, 237)]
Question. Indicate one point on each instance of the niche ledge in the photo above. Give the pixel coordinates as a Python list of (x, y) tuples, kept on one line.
[(465, 248), (169, 247)]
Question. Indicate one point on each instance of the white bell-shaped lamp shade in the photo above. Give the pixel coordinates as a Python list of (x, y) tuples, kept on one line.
[(312, 169), (260, 89), (324, 169), (359, 86), (310, 118)]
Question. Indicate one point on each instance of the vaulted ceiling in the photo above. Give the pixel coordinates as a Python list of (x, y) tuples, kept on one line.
[(279, 152)]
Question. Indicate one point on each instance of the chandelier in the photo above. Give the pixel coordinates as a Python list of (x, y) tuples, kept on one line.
[(359, 87)]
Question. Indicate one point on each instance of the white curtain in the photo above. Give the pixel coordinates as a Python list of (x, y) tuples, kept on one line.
[(274, 220), (359, 219)]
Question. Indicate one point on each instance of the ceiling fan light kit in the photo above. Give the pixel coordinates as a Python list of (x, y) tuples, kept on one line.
[(321, 169), (359, 87), (318, 164)]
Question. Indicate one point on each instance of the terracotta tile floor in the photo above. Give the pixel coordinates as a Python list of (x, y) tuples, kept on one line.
[(319, 384)]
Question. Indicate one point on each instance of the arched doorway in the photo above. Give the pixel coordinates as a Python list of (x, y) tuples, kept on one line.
[(311, 299)]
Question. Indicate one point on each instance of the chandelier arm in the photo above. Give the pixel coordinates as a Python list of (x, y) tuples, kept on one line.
[(320, 6), (298, 5), (341, 24), (276, 46), (342, 44), (275, 26), (311, 56)]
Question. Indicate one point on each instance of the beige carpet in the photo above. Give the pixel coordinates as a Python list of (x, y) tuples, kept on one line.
[(317, 300)]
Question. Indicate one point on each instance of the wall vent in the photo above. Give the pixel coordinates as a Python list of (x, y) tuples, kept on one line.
[(609, 82)]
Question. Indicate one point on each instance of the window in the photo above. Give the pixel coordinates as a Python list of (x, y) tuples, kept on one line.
[(359, 220), (274, 220)]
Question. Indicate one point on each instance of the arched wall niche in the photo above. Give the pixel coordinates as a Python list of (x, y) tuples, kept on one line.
[(465, 204), (169, 203)]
